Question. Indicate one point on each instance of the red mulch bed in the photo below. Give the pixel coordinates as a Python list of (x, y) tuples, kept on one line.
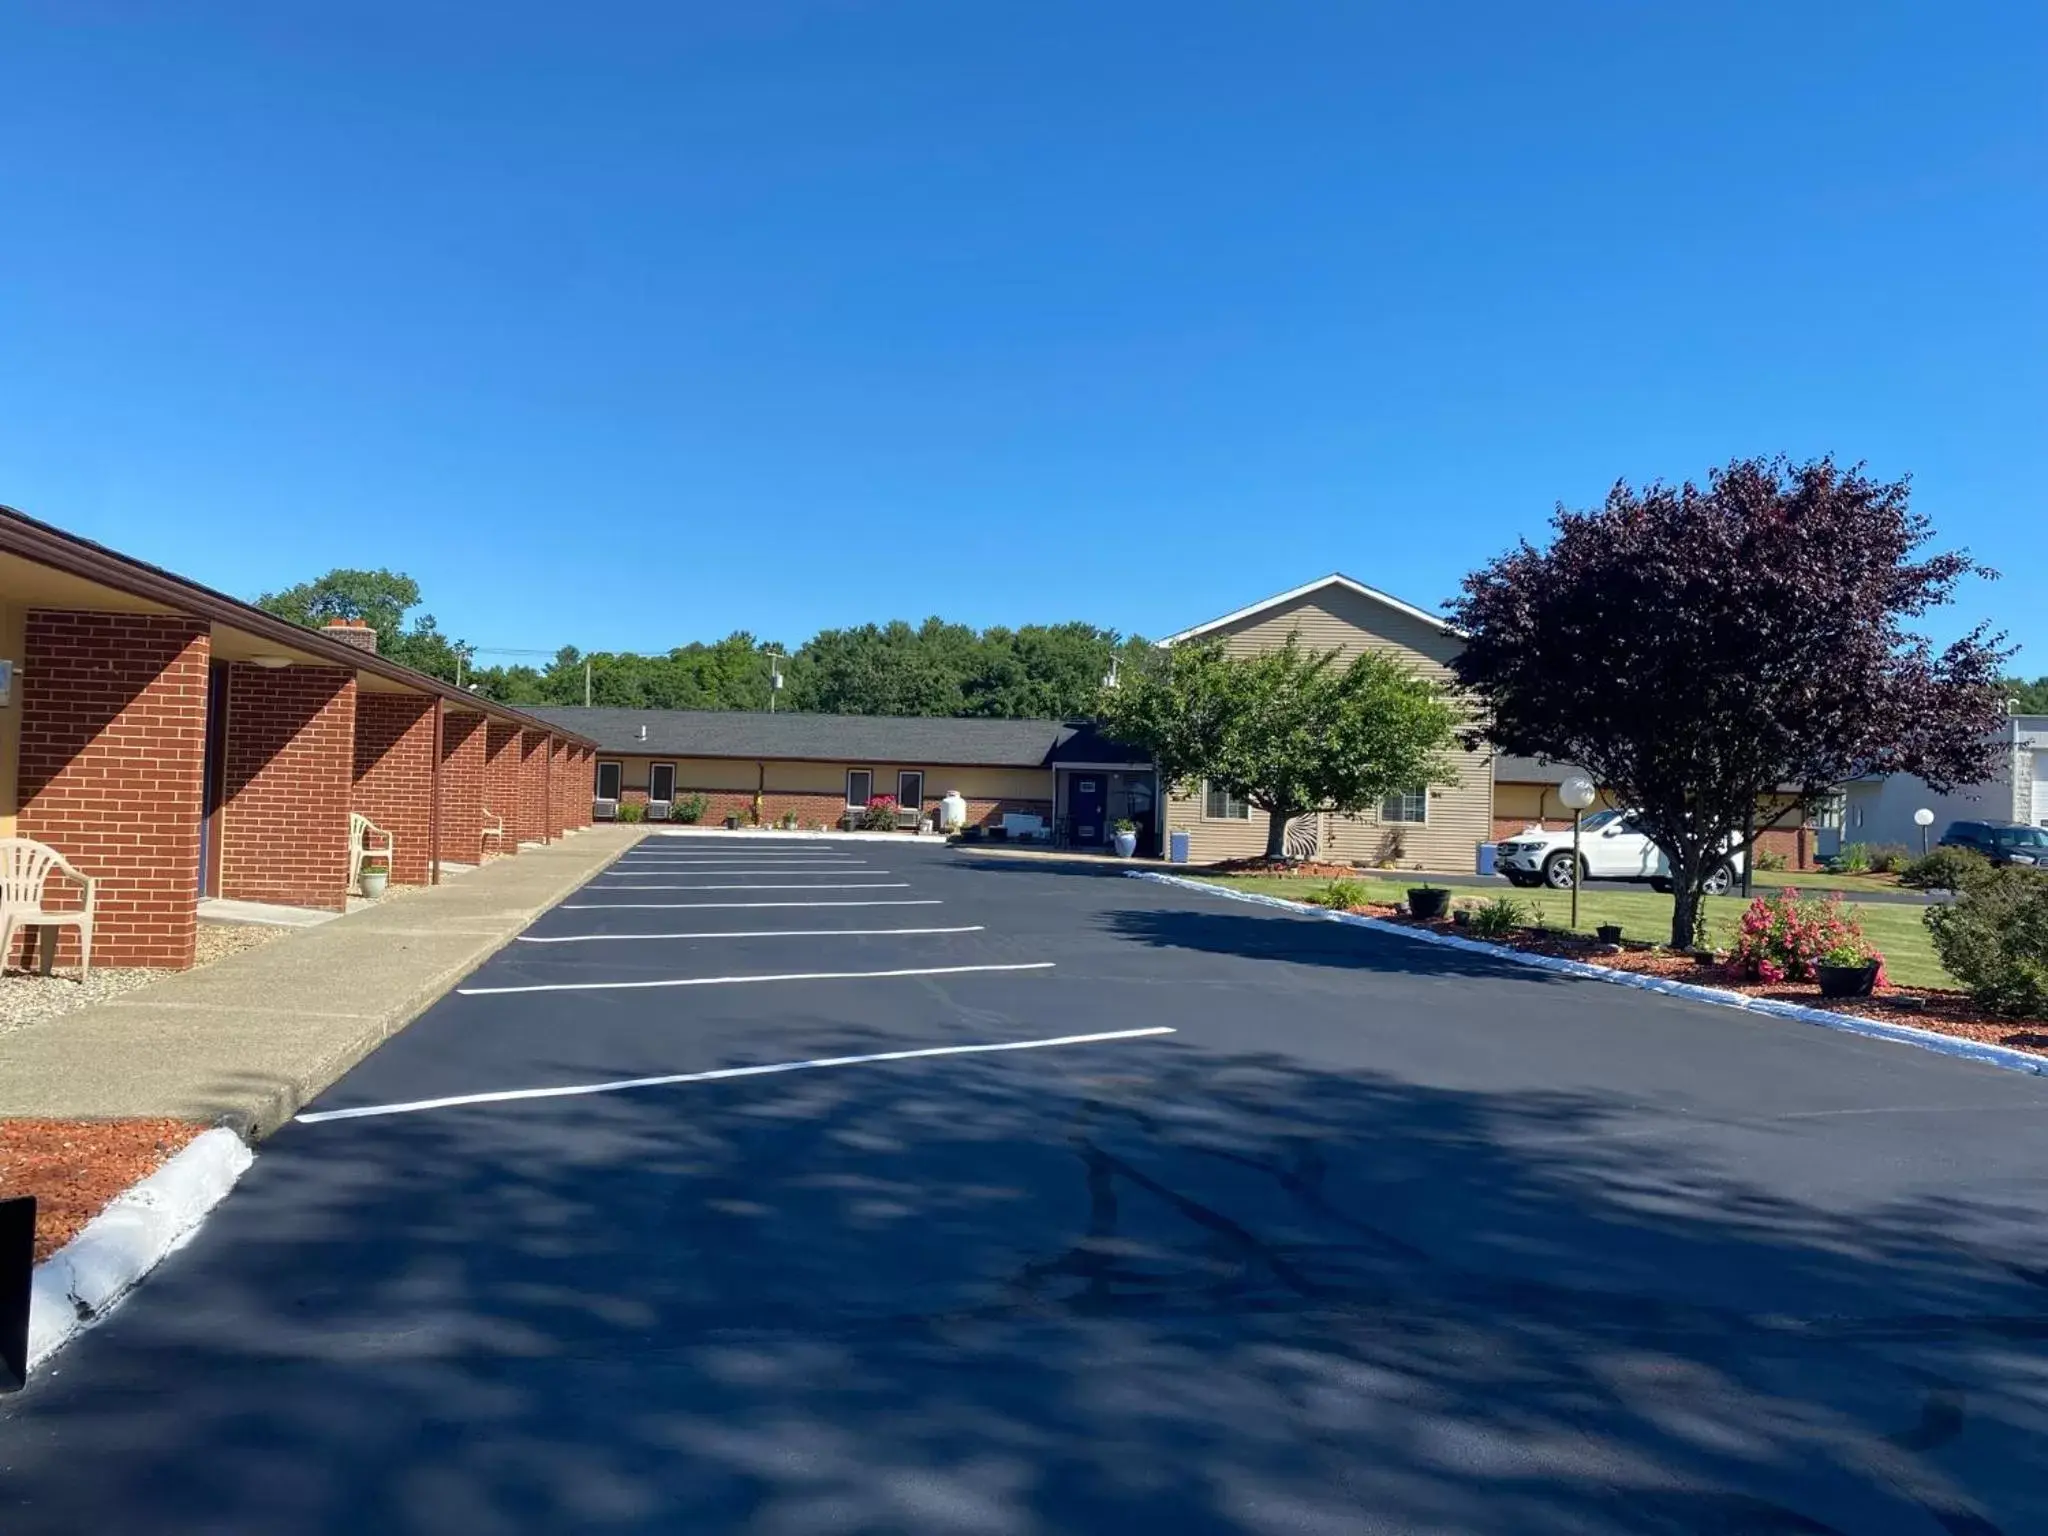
[(1296, 868), (74, 1167), (1940, 1010)]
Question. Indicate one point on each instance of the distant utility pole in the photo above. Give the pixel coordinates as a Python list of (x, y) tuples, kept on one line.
[(586, 682), (774, 678)]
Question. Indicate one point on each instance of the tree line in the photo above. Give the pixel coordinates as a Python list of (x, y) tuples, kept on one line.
[(1035, 671), (1694, 648)]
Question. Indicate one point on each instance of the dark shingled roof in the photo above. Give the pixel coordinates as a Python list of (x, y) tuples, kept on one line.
[(1513, 770), (914, 739)]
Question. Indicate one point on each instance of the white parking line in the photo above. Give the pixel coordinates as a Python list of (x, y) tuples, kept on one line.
[(716, 863), (620, 1085), (760, 933), (805, 870), (731, 906), (880, 885), (737, 981)]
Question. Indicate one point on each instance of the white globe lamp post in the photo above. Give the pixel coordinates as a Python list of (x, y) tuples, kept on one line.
[(1577, 792), (1923, 819)]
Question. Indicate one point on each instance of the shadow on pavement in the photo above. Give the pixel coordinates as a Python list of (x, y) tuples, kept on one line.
[(1265, 934), (1133, 1289)]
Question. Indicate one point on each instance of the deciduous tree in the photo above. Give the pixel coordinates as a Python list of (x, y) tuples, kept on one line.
[(1695, 648), (1288, 730)]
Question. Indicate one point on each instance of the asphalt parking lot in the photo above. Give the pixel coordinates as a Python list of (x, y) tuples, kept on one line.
[(836, 1186)]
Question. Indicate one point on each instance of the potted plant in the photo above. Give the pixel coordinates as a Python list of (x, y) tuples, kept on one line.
[(788, 821), (375, 875), (1428, 902), (1125, 834), (733, 820), (1850, 969), (1608, 933)]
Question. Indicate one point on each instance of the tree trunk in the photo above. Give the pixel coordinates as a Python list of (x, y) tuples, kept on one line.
[(1276, 833), (1688, 870), (1685, 903)]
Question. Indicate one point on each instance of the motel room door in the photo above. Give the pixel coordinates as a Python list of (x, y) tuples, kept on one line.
[(1086, 793), (213, 779)]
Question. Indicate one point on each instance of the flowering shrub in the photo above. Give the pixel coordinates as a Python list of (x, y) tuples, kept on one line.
[(1783, 937), (880, 815)]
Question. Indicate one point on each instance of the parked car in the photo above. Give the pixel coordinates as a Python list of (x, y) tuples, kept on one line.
[(1612, 846), (2002, 842)]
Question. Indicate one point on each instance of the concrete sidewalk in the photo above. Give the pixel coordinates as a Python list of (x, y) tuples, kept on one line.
[(245, 1042)]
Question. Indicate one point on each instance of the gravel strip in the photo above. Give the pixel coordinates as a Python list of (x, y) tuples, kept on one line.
[(219, 940), (27, 998)]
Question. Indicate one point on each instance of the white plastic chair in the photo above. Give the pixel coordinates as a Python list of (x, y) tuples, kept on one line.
[(361, 830), (25, 866), (494, 826)]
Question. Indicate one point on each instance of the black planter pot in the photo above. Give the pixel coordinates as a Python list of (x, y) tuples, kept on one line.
[(732, 823), (1846, 980), (1427, 902), (1608, 933)]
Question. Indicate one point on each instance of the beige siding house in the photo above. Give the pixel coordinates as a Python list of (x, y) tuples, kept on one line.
[(1440, 827)]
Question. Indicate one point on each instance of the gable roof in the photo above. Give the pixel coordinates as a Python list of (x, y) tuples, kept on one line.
[(1334, 579), (791, 736)]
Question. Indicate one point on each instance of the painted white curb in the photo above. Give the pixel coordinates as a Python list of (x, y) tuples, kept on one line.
[(80, 1283), (1848, 1023)]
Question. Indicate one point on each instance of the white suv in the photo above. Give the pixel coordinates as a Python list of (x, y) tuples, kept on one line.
[(1611, 846)]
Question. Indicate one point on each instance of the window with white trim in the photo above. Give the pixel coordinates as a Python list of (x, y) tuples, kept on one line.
[(910, 789), (1219, 804), (608, 775), (860, 788), (661, 781), (1410, 808)]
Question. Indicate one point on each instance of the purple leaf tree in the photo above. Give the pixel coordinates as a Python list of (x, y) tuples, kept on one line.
[(1696, 649)]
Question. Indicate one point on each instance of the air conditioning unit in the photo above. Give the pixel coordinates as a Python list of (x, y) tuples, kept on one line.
[(657, 810), (604, 810)]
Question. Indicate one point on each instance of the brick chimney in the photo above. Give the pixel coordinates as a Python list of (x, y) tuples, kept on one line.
[(351, 632)]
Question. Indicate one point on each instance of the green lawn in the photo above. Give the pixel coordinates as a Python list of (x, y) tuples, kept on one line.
[(1848, 885), (1894, 928)]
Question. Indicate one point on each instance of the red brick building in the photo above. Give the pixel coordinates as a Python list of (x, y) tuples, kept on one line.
[(176, 744)]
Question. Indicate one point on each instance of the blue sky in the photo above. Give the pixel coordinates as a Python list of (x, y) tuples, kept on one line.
[(626, 326)]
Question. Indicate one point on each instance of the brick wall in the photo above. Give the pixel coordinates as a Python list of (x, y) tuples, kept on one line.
[(1794, 844), (394, 776), (828, 807), (462, 788), (291, 739), (558, 787), (533, 802), (113, 724), (501, 781)]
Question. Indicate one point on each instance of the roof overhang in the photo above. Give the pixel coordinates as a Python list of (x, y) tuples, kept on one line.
[(1334, 579), (44, 567)]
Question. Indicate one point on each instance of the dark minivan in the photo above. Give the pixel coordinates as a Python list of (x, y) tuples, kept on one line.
[(2002, 842)]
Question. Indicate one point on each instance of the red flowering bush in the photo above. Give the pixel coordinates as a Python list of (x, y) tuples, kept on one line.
[(1783, 937), (880, 815)]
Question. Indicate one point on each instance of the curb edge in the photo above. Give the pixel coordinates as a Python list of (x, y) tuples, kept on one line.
[(83, 1281), (1848, 1023)]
